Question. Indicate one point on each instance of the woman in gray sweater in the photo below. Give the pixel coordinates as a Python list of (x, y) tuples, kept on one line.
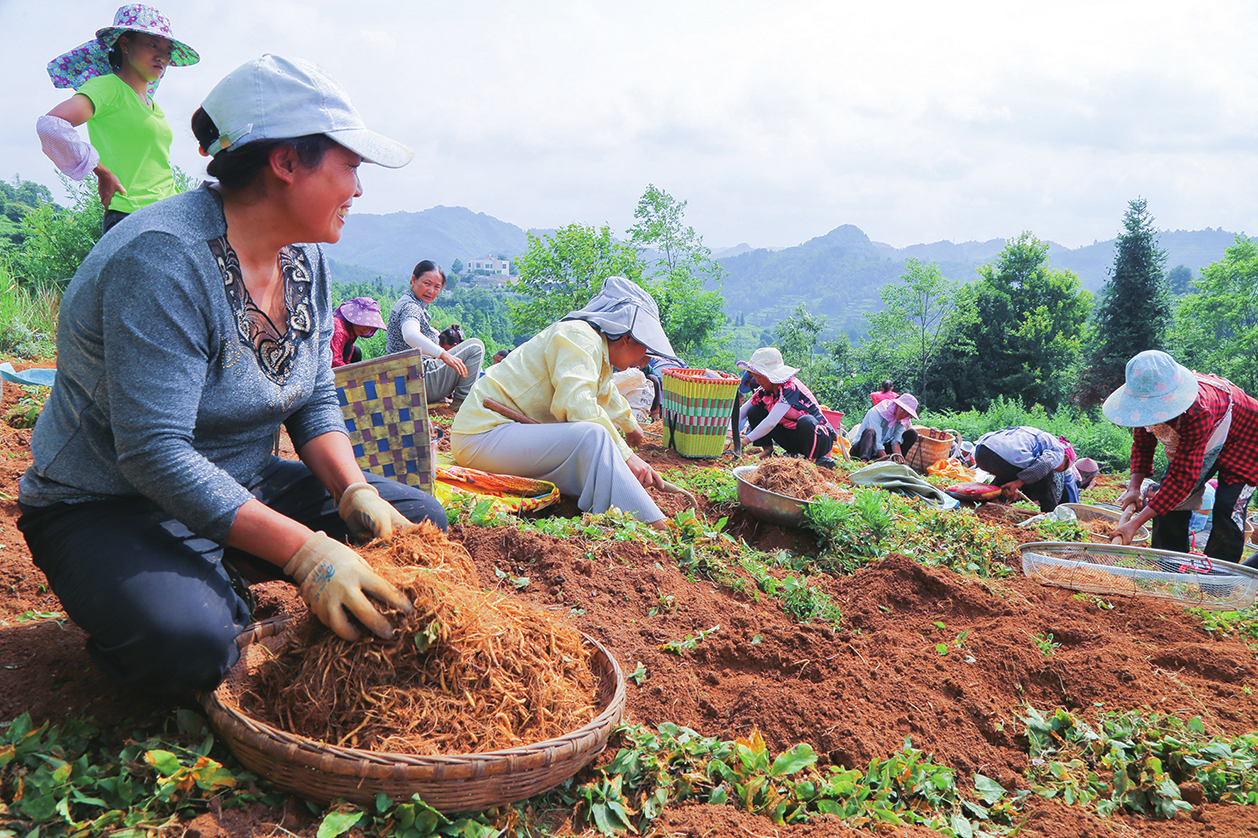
[(185, 338)]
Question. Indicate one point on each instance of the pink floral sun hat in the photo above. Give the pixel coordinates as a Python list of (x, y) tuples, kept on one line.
[(362, 311), (1158, 388), (89, 60)]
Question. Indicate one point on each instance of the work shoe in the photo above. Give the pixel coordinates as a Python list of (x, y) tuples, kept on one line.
[(825, 462)]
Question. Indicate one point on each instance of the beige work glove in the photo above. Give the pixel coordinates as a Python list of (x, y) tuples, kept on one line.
[(333, 578), (363, 509)]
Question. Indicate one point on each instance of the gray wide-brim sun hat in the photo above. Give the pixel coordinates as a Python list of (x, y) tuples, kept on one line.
[(276, 98), (621, 308), (1158, 388)]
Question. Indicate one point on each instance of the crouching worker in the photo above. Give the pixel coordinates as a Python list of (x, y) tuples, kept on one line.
[(782, 410), (185, 338), (885, 432), (1029, 460), (353, 319), (1208, 426), (561, 379)]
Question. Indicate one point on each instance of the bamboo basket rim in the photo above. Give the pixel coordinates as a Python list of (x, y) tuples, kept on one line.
[(337, 761), (698, 374)]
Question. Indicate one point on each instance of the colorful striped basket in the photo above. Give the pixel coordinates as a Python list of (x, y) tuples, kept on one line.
[(697, 410)]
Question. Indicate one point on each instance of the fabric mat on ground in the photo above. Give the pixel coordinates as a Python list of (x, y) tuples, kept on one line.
[(895, 477), (508, 492)]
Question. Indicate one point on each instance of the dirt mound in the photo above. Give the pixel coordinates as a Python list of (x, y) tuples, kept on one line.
[(920, 652)]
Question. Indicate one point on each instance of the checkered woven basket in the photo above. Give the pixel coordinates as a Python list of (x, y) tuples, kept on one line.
[(386, 415)]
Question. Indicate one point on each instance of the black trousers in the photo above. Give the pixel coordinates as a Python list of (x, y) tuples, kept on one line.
[(157, 601), (806, 439), (1227, 525), (1047, 491), (866, 449)]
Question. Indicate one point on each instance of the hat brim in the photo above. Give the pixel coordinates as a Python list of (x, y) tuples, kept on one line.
[(1128, 410), (373, 147), (181, 55), (911, 411), (781, 375)]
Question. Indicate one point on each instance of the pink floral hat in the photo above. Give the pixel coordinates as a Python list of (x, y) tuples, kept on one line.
[(362, 311), (89, 60)]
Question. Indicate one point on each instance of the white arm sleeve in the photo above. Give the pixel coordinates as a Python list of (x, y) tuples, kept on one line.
[(771, 421), (64, 148), (415, 337)]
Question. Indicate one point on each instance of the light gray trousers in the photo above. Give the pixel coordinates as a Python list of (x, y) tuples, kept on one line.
[(578, 457), (441, 380)]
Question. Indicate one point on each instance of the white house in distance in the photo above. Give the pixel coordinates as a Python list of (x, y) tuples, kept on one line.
[(490, 265)]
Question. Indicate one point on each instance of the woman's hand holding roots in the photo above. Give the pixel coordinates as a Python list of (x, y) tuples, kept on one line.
[(647, 476), (453, 362), (334, 579), (363, 509)]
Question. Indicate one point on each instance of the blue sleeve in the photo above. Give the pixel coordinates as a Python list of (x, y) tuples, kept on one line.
[(158, 340)]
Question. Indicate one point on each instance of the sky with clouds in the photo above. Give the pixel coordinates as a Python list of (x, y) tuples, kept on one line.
[(776, 122)]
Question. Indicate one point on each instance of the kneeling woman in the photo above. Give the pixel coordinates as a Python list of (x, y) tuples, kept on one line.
[(783, 410), (449, 371), (562, 379), (186, 337), (1029, 460)]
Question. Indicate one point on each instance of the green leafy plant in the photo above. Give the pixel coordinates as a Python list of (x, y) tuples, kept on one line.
[(518, 582), (1045, 643), (663, 602), (687, 643), (1136, 762), (58, 780), (26, 410)]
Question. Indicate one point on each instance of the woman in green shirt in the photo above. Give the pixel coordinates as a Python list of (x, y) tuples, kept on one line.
[(115, 76)]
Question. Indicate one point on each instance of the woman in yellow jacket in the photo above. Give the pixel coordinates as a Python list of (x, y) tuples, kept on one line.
[(562, 379)]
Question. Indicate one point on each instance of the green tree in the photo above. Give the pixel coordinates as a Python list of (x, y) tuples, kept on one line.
[(560, 272), (907, 333), (691, 316), (1216, 329), (54, 239), (456, 267), (1179, 280), (796, 338), (1016, 333), (1135, 310)]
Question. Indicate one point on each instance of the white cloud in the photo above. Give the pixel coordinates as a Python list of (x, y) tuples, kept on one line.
[(915, 121)]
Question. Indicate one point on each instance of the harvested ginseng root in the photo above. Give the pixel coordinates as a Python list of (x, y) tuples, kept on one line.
[(796, 478), (467, 671)]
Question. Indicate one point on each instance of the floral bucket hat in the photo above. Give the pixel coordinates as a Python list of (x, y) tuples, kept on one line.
[(89, 60), (1157, 389)]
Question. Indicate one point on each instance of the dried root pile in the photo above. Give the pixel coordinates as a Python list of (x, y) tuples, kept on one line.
[(1101, 527), (796, 478), (467, 671)]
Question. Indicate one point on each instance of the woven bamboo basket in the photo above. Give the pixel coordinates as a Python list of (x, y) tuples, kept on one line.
[(697, 411), (449, 783), (1113, 570), (932, 445), (1087, 512)]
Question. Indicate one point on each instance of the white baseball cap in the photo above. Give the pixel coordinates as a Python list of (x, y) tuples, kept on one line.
[(275, 98)]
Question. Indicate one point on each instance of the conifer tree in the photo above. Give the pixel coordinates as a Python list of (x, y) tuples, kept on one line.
[(1135, 309)]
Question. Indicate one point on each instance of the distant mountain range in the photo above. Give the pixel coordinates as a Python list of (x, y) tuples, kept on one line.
[(840, 274)]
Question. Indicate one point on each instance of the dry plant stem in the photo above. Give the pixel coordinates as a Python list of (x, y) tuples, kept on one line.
[(469, 670), (796, 478)]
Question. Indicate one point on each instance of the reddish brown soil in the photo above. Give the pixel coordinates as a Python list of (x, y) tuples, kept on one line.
[(853, 693)]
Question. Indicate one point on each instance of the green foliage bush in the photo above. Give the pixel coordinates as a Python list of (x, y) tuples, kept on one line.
[(1094, 437)]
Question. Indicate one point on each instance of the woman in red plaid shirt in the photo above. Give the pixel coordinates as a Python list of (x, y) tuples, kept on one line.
[(1208, 426)]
